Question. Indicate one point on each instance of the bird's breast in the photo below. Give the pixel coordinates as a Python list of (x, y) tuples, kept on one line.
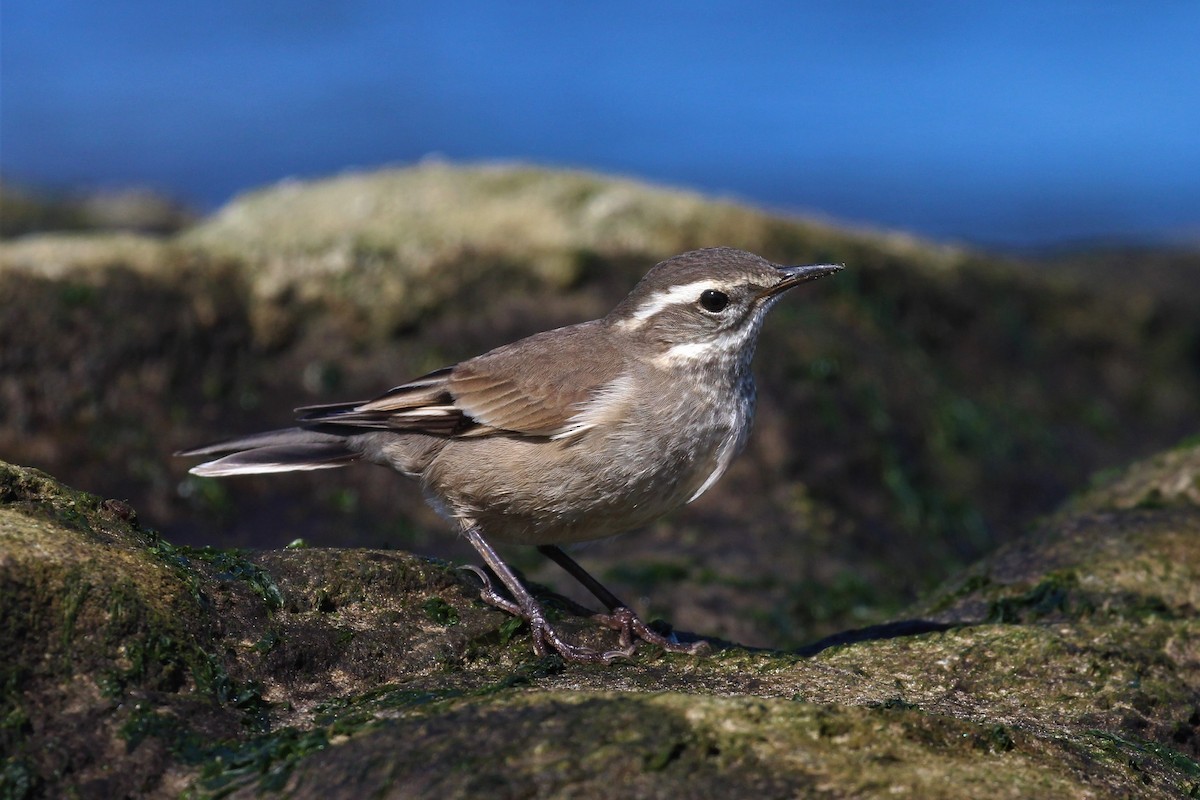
[(660, 450)]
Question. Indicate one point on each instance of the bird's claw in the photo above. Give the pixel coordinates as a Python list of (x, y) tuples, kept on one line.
[(630, 625), (489, 595), (546, 639)]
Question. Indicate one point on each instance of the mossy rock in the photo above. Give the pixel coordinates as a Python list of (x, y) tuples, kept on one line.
[(915, 411), (1064, 666)]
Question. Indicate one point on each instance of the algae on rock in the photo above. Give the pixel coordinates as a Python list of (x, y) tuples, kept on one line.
[(914, 412), (1069, 667)]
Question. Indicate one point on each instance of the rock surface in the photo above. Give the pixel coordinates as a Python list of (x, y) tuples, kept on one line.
[(1065, 665), (916, 411)]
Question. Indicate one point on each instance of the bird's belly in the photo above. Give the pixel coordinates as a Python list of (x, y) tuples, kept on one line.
[(600, 484)]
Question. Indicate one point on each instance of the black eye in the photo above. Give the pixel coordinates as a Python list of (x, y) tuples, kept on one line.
[(714, 301)]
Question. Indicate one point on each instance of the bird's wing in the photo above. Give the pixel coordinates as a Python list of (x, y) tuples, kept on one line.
[(540, 386), (424, 404)]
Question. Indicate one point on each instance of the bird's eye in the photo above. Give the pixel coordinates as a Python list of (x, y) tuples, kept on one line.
[(714, 301)]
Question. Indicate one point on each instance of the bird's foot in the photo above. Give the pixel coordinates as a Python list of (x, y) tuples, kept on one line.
[(630, 625), (545, 637)]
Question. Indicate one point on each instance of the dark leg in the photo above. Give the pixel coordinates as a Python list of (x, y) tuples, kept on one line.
[(558, 556), (620, 617), (545, 638)]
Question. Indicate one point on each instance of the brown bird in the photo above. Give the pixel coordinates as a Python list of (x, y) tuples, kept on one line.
[(569, 435)]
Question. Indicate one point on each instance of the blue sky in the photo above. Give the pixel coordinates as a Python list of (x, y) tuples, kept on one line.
[(1016, 123)]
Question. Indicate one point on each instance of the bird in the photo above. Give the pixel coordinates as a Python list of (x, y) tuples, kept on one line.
[(573, 434)]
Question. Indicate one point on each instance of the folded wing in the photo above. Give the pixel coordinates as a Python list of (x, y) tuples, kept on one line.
[(536, 387)]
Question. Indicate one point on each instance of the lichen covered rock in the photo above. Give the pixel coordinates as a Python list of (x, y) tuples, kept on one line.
[(1065, 665)]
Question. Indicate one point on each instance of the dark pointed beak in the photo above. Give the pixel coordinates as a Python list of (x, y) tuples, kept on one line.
[(794, 276)]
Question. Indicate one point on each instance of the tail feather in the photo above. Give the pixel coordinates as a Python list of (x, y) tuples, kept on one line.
[(285, 436), (274, 451)]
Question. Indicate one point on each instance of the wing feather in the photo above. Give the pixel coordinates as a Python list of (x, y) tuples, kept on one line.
[(535, 387), (538, 385)]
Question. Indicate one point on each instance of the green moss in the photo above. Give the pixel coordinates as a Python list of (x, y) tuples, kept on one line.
[(526, 674), (232, 565), (264, 761), (377, 700), (1097, 636), (1050, 596), (1188, 442), (995, 739), (76, 592), (1172, 759), (19, 779), (267, 642), (897, 703), (656, 761), (508, 628), (440, 612), (144, 722), (267, 760), (972, 584), (225, 565), (1152, 499), (73, 295)]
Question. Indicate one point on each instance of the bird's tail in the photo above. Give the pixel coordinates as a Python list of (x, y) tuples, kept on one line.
[(274, 451)]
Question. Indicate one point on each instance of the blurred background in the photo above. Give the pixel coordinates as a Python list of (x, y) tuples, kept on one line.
[(1001, 124), (215, 213)]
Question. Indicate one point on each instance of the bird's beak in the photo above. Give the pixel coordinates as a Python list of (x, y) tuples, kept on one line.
[(794, 276)]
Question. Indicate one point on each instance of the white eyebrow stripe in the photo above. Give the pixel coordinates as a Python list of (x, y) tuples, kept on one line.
[(687, 292)]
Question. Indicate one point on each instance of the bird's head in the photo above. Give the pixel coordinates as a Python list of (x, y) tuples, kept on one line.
[(707, 304)]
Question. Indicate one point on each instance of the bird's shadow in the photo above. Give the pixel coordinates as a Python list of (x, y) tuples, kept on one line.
[(881, 632), (870, 633)]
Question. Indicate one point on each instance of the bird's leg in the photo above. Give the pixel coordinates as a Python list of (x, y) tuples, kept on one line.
[(620, 617), (489, 594), (598, 590), (545, 637)]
